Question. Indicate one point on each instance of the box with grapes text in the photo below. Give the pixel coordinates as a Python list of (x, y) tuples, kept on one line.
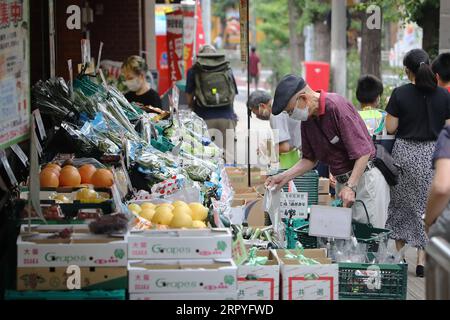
[(173, 276), (61, 278), (180, 244), (42, 247)]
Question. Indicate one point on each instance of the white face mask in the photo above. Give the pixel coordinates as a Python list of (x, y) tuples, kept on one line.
[(300, 114), (133, 85), (264, 114)]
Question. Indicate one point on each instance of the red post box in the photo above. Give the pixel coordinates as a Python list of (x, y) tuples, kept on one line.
[(317, 74)]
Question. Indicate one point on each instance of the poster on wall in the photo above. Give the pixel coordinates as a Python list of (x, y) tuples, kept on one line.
[(175, 44), (14, 72)]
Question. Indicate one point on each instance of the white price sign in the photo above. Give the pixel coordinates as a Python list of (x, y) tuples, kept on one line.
[(295, 204)]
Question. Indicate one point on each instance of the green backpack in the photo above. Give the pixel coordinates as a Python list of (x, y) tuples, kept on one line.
[(214, 83)]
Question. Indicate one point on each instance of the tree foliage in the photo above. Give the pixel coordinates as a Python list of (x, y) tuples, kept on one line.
[(275, 26)]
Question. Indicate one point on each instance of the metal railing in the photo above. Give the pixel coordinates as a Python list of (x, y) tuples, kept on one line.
[(438, 270)]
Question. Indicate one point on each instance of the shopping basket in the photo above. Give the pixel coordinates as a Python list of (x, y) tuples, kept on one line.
[(362, 281), (364, 233)]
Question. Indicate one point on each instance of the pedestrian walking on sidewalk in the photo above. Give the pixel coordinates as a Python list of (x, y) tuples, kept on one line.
[(437, 218), (255, 67), (210, 92), (417, 112)]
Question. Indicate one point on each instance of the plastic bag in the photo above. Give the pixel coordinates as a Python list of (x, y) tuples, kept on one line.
[(271, 206)]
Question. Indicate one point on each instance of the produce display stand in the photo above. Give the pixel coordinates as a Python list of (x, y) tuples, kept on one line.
[(156, 202)]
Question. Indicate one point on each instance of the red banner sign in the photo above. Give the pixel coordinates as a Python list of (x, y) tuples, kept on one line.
[(175, 44)]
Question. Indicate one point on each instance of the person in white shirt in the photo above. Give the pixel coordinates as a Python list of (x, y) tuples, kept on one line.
[(288, 143)]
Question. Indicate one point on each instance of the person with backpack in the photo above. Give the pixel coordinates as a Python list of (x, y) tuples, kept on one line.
[(210, 92), (417, 112)]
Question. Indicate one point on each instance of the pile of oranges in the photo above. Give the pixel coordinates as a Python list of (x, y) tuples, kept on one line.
[(53, 176)]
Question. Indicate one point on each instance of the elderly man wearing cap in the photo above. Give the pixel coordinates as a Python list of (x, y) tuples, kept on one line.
[(334, 133)]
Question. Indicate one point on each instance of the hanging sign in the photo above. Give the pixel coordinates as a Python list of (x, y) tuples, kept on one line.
[(175, 44)]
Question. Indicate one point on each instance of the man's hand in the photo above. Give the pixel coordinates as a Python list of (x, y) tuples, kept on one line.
[(332, 181), (277, 181), (348, 197)]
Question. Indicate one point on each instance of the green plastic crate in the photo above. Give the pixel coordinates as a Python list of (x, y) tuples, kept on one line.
[(390, 285), (309, 183), (66, 295), (307, 241), (291, 225)]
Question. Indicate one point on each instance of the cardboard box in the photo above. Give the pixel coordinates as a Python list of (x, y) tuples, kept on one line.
[(83, 249), (256, 216), (55, 279), (260, 282), (324, 186), (238, 177), (325, 199), (309, 282), (179, 244), (232, 295), (176, 276)]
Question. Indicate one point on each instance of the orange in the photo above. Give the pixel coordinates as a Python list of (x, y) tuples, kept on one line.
[(48, 179), (102, 178), (86, 172), (69, 178)]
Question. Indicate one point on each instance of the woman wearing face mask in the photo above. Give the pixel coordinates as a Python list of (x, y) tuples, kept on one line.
[(417, 112), (135, 70), (334, 133)]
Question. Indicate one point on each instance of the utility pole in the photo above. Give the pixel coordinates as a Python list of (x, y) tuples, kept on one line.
[(444, 36), (206, 16), (339, 46)]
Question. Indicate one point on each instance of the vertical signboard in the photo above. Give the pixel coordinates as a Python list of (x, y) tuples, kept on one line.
[(175, 44), (162, 58), (14, 72), (188, 35), (243, 17)]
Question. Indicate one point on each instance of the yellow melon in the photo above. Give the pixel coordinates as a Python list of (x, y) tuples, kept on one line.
[(163, 215), (199, 212)]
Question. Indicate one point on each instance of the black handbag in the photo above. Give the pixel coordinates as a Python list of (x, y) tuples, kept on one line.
[(386, 164)]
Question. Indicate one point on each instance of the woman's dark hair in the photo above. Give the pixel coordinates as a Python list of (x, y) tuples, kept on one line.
[(418, 62), (369, 89)]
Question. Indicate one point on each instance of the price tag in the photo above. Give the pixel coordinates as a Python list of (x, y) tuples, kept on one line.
[(295, 204), (40, 124), (240, 254), (116, 198), (105, 84), (70, 66), (37, 144), (5, 162), (19, 152), (99, 57)]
